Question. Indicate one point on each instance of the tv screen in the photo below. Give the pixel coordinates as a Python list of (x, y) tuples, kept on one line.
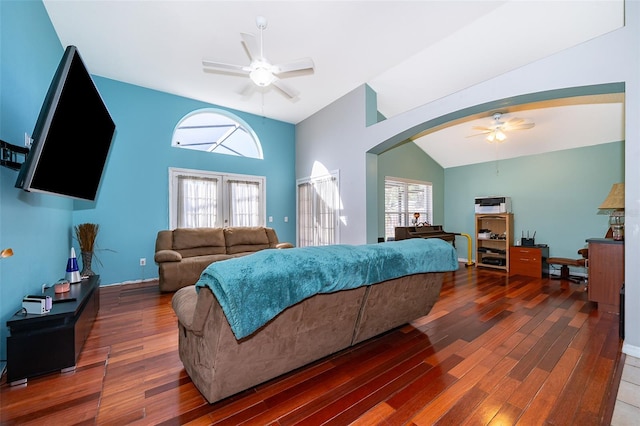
[(72, 136)]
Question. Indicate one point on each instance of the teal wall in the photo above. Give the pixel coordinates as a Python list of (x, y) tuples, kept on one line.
[(132, 203), (556, 194)]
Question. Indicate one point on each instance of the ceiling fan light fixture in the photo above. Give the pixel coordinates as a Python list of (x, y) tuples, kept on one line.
[(496, 135), (261, 76)]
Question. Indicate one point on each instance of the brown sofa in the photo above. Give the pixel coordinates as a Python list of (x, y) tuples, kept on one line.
[(183, 253), (220, 365)]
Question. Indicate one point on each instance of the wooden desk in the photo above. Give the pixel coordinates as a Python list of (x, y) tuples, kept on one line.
[(606, 273)]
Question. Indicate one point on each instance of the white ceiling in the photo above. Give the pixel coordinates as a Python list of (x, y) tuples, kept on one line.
[(409, 52)]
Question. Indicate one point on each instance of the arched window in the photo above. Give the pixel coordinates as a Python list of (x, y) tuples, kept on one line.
[(218, 131)]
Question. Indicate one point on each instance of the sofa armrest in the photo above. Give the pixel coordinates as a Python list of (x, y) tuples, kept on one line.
[(284, 245), (167, 256), (192, 307)]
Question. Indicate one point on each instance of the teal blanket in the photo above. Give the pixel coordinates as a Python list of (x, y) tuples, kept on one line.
[(254, 289)]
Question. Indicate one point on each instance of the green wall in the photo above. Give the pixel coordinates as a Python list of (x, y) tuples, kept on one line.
[(410, 162), (556, 194)]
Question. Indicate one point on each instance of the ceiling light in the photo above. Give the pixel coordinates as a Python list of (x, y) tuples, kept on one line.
[(496, 135), (261, 74), (496, 132)]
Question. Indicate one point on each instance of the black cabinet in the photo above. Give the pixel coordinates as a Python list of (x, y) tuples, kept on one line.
[(40, 344)]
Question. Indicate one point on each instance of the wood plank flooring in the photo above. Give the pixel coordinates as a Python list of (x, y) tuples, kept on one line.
[(493, 351)]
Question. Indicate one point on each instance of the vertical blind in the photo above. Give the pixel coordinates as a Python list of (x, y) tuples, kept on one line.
[(318, 201)]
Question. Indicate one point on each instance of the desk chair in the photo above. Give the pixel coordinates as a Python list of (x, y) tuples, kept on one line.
[(566, 262)]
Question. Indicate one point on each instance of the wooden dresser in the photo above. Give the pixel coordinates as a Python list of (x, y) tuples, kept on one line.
[(529, 261), (606, 273)]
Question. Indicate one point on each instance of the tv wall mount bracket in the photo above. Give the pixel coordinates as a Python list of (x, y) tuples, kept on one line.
[(10, 155)]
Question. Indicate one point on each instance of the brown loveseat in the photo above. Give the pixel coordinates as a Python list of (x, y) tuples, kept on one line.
[(220, 365), (183, 253)]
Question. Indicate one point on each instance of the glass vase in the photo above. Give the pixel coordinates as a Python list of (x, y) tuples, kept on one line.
[(87, 256)]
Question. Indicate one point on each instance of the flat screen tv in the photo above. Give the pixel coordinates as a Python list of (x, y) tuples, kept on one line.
[(72, 136)]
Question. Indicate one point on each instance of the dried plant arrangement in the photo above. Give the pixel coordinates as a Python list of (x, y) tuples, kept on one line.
[(86, 234)]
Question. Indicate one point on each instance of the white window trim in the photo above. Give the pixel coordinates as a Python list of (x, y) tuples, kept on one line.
[(224, 208), (407, 181)]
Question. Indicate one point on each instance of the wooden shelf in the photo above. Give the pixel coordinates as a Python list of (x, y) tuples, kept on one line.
[(493, 252)]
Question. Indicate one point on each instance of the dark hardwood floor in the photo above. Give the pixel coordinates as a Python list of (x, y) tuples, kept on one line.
[(493, 351)]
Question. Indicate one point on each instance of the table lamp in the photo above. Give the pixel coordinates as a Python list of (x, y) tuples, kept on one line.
[(614, 203)]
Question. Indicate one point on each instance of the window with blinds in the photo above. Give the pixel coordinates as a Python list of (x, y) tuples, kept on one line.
[(209, 199), (403, 198), (318, 210)]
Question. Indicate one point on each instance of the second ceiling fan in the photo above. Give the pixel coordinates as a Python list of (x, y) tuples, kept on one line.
[(261, 71), (495, 132)]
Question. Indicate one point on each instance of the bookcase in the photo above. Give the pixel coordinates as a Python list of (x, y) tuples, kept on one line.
[(494, 236)]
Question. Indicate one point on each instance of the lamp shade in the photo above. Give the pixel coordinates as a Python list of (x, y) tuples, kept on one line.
[(615, 199)]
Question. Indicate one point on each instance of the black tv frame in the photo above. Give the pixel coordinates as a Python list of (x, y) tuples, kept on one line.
[(72, 136)]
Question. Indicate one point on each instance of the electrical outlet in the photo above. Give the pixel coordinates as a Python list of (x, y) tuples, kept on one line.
[(143, 261)]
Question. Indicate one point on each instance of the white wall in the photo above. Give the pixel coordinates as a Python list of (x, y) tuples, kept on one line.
[(338, 138)]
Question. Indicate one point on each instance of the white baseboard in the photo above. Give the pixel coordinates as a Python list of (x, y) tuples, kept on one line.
[(631, 350), (131, 282)]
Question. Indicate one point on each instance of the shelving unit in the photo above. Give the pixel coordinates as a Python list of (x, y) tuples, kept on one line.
[(493, 251)]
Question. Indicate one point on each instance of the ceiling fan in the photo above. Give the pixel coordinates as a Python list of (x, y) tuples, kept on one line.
[(496, 131), (261, 71)]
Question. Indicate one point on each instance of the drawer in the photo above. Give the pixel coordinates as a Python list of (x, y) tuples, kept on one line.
[(530, 269), (525, 253), (529, 261)]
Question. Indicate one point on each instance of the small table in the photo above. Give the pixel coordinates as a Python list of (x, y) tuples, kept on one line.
[(529, 260), (40, 344)]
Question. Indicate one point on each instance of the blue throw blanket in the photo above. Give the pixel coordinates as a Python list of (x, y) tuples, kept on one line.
[(254, 289)]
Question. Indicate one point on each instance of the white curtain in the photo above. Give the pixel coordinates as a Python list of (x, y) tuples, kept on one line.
[(244, 203), (197, 202)]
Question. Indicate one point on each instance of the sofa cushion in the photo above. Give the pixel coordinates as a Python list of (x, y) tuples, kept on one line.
[(249, 239), (211, 239)]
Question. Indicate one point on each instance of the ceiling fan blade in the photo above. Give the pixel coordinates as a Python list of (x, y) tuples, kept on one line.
[(297, 65), (251, 45), (291, 93), (482, 129), (477, 134), (247, 90), (221, 66), (522, 126), (514, 121)]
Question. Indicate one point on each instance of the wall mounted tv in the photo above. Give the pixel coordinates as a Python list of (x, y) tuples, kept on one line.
[(72, 136)]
